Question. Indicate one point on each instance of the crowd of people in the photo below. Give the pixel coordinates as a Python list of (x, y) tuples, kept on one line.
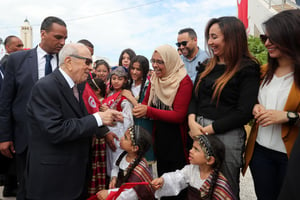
[(71, 128)]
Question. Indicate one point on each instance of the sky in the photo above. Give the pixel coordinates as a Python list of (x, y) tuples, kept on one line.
[(113, 25)]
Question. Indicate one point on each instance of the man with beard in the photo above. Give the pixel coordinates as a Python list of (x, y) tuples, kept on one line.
[(191, 53)]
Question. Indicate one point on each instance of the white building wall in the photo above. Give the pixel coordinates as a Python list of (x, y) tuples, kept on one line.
[(258, 12), (261, 10)]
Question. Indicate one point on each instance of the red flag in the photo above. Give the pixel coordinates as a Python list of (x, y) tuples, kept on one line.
[(91, 101), (114, 195), (243, 11)]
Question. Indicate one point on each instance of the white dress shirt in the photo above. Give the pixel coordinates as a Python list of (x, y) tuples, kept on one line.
[(71, 85), (42, 61)]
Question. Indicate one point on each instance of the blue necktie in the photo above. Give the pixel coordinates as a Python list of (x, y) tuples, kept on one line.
[(48, 67)]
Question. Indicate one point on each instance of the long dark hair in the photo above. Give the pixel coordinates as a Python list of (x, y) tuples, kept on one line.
[(97, 83), (144, 66), (236, 51), (130, 52), (283, 30), (102, 62), (143, 140)]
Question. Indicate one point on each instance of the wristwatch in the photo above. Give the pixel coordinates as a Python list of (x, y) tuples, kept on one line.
[(293, 117)]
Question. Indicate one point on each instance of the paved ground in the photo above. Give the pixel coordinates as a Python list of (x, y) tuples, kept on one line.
[(5, 198), (247, 188)]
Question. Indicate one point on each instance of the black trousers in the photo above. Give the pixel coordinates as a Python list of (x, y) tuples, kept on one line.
[(21, 165)]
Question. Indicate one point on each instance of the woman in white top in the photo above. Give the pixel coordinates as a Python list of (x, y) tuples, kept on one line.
[(277, 111)]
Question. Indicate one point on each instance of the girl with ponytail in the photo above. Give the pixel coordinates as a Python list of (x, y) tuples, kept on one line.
[(202, 176), (131, 166)]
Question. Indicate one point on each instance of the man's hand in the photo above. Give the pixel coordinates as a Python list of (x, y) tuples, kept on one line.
[(110, 117), (7, 149)]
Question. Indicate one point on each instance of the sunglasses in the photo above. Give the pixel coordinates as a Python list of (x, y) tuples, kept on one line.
[(159, 62), (264, 38), (183, 43), (88, 61)]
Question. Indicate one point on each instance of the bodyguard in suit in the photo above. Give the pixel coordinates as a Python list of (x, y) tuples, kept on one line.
[(23, 69), (12, 44), (61, 129)]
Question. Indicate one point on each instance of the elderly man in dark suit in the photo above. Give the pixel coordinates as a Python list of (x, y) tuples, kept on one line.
[(61, 129), (23, 69)]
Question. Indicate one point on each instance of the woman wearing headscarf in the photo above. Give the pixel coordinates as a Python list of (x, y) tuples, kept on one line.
[(166, 102)]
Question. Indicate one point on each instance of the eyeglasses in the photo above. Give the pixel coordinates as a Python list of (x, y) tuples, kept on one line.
[(159, 62), (183, 43), (88, 61), (264, 38)]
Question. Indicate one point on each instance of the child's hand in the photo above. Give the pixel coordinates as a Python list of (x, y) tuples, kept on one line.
[(109, 139), (102, 194), (126, 93), (139, 110), (103, 108), (113, 182), (157, 183)]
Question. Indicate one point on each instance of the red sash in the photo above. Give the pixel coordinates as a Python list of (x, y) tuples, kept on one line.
[(114, 101)]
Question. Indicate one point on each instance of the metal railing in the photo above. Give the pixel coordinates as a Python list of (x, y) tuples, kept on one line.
[(282, 3)]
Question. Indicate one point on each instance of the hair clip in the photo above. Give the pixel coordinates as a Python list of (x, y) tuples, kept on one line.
[(132, 135), (205, 146)]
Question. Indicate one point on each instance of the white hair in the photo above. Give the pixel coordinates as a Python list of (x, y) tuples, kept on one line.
[(68, 50)]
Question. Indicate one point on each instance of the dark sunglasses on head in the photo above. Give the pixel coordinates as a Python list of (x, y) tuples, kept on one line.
[(264, 38), (183, 43), (88, 61)]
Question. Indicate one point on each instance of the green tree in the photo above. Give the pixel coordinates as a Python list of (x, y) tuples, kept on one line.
[(258, 49)]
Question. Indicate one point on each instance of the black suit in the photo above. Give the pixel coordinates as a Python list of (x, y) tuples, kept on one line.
[(3, 62), (20, 75), (60, 135)]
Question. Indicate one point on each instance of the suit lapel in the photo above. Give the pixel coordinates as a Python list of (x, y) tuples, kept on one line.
[(67, 93), (32, 61)]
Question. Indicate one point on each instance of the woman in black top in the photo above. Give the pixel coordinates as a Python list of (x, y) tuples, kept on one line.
[(225, 92)]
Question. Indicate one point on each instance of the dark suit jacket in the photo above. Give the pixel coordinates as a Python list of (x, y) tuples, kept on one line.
[(290, 187), (1, 78), (20, 75), (60, 134), (3, 61)]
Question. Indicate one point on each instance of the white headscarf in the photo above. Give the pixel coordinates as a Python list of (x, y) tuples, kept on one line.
[(165, 88)]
